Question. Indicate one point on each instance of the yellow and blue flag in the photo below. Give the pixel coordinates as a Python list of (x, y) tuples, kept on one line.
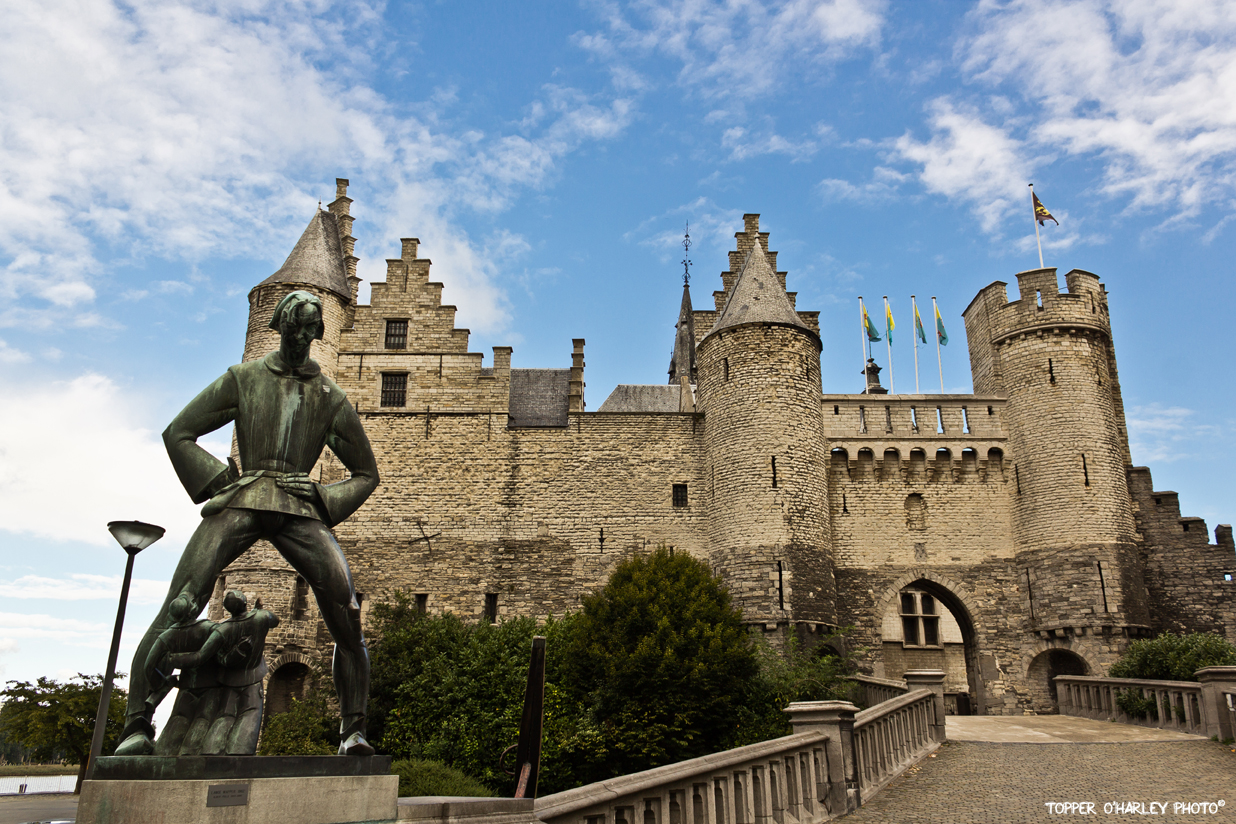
[(918, 325), (888, 326), (872, 334), (940, 333)]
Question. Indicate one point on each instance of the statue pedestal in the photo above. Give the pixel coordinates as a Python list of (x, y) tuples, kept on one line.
[(239, 790)]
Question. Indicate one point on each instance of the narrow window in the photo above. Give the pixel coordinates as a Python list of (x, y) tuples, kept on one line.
[(396, 334), (1102, 584), (914, 418), (601, 540), (888, 419), (965, 421), (1186, 526), (780, 585), (1030, 594), (774, 470), (862, 420), (491, 607), (422, 603), (1157, 501), (394, 389), (1017, 476), (844, 510), (1085, 470), (300, 606), (1038, 298), (990, 411), (939, 421), (725, 366), (1051, 371), (836, 409), (680, 495)]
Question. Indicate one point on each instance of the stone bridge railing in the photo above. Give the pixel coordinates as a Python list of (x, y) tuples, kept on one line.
[(835, 760), (1202, 707), (874, 690)]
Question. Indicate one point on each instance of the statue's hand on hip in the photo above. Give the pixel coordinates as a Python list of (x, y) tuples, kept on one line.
[(298, 484)]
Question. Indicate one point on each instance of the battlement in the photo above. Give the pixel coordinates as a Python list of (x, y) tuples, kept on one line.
[(925, 417), (1041, 305)]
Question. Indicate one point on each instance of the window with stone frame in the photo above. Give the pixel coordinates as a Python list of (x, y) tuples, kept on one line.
[(491, 607), (680, 495), (920, 619), (394, 389), (397, 334)]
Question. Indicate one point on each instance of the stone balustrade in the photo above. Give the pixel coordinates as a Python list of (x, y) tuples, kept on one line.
[(878, 690), (895, 735), (1202, 707)]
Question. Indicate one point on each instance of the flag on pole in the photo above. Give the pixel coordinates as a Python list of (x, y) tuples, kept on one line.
[(872, 334), (918, 325), (1040, 211), (940, 333), (888, 326)]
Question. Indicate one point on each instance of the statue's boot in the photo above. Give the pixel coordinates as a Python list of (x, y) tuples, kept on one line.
[(354, 742), (137, 737)]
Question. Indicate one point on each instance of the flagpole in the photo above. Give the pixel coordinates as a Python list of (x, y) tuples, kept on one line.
[(862, 338), (888, 341), (935, 312), (914, 333), (1037, 239)]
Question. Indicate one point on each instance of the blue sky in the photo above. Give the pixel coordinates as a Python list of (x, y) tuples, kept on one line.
[(158, 158)]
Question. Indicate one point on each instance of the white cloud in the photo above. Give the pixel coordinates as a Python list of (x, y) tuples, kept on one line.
[(174, 128), (712, 230), (743, 145), (10, 355), (1162, 434), (45, 628), (739, 48), (883, 185), (971, 160), (82, 587), (75, 455)]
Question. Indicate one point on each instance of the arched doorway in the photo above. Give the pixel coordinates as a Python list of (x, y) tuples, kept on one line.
[(286, 683), (926, 625), (1041, 674)]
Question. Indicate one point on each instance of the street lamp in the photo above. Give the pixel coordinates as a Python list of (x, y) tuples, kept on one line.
[(134, 536)]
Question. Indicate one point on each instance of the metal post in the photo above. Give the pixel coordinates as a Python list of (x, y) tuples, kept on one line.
[(105, 697)]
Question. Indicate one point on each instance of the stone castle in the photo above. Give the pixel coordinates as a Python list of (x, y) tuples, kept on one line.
[(1003, 536)]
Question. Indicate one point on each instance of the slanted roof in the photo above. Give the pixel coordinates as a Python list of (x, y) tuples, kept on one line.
[(758, 297), (317, 258), (539, 397), (656, 397), (682, 363)]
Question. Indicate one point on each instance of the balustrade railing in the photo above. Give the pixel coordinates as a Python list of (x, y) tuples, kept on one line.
[(895, 735), (1168, 705), (874, 690), (782, 781)]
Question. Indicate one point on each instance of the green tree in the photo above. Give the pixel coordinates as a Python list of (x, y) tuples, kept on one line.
[(309, 727), (52, 719), (663, 662), (1172, 657)]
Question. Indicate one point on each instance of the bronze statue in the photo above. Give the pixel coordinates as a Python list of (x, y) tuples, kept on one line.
[(285, 411)]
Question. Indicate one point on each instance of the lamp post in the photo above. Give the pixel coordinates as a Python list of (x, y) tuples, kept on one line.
[(134, 536)]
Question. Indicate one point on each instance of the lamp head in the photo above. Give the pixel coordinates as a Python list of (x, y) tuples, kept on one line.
[(134, 536)]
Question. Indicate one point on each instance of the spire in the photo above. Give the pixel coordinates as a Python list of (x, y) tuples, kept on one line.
[(317, 259), (682, 364), (758, 296)]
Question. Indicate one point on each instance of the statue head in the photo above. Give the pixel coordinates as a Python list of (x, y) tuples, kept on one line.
[(235, 603), (182, 608), (298, 319)]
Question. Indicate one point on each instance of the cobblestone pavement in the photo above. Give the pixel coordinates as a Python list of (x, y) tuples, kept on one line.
[(969, 782)]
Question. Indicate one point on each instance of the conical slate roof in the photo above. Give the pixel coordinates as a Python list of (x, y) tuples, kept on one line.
[(757, 297), (683, 360), (317, 258)]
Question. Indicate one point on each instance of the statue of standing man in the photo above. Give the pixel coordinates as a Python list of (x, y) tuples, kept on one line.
[(285, 412)]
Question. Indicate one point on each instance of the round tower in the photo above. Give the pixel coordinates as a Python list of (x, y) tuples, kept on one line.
[(321, 263), (759, 389), (1051, 354)]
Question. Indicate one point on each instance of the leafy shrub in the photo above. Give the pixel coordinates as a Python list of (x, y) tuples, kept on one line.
[(1172, 657), (310, 727), (1136, 705), (418, 777)]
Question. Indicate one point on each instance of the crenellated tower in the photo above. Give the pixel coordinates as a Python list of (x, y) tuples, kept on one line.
[(759, 389), (1050, 352)]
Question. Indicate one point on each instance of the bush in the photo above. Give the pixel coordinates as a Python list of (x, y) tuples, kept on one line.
[(418, 777), (1135, 704), (310, 727), (1172, 657), (662, 661)]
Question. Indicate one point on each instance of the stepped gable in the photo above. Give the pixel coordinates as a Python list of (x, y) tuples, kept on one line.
[(317, 259), (682, 363), (758, 297)]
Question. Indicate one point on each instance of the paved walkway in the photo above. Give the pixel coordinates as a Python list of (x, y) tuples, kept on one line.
[(19, 809), (1004, 770)]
